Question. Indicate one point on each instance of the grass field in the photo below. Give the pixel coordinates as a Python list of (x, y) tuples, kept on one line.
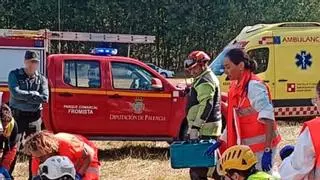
[(148, 160)]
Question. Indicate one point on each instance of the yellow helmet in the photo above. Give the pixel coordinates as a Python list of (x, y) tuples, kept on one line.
[(239, 157)]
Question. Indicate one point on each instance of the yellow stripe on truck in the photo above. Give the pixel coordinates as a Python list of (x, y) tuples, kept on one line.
[(159, 95), (110, 93), (4, 89), (78, 91)]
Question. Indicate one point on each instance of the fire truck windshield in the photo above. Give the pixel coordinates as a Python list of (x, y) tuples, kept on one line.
[(217, 63)]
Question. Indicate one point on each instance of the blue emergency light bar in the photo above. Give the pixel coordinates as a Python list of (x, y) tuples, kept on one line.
[(38, 43), (104, 51)]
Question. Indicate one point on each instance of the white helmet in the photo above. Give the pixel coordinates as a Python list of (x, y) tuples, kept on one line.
[(56, 167)]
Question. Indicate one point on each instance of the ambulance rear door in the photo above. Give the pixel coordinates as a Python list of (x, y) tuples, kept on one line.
[(297, 69)]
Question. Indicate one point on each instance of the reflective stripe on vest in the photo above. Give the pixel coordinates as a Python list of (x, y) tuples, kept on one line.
[(252, 132), (245, 111), (257, 139), (211, 129), (243, 124)]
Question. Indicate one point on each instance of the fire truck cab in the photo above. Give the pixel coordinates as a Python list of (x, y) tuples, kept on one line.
[(99, 95), (111, 96)]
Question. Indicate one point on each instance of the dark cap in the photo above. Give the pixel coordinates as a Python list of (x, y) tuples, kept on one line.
[(32, 55)]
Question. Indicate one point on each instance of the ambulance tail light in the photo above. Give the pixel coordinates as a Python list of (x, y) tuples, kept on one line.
[(104, 51)]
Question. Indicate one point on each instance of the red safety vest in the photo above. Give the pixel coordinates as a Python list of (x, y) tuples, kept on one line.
[(314, 126), (249, 130), (72, 146)]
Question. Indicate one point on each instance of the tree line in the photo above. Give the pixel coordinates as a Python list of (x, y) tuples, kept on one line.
[(180, 26)]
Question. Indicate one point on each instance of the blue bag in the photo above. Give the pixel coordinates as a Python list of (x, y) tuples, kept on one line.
[(184, 154)]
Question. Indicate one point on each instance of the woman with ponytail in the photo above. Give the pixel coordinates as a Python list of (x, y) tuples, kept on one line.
[(250, 119)]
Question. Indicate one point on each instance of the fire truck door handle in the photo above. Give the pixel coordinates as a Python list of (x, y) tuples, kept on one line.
[(266, 81), (115, 96), (283, 80), (66, 94)]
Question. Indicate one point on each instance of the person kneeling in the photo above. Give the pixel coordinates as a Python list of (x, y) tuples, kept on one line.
[(82, 153), (238, 163)]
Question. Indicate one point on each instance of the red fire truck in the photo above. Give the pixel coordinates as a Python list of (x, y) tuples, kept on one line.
[(102, 97)]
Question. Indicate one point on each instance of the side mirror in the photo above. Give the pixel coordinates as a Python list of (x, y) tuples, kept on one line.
[(156, 83)]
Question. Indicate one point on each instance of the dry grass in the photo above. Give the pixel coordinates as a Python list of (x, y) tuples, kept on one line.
[(148, 160)]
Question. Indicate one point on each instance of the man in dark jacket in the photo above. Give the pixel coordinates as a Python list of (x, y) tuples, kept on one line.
[(28, 91)]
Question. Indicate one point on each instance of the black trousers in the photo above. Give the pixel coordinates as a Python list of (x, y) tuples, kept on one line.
[(28, 123)]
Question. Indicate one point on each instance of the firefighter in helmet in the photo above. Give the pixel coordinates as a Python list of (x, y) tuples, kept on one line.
[(203, 107), (238, 163)]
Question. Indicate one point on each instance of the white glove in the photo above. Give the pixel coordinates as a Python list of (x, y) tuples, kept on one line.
[(194, 134)]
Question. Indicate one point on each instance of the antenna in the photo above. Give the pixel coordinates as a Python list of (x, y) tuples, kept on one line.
[(59, 23)]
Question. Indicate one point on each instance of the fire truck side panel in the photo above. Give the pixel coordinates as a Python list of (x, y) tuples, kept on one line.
[(135, 108), (77, 105), (111, 97), (103, 97)]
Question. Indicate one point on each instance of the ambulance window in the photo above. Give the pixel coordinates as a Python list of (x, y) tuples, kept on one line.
[(261, 56), (130, 76), (82, 73), (217, 64)]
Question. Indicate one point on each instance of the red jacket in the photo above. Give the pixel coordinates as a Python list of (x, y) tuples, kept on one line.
[(72, 146)]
